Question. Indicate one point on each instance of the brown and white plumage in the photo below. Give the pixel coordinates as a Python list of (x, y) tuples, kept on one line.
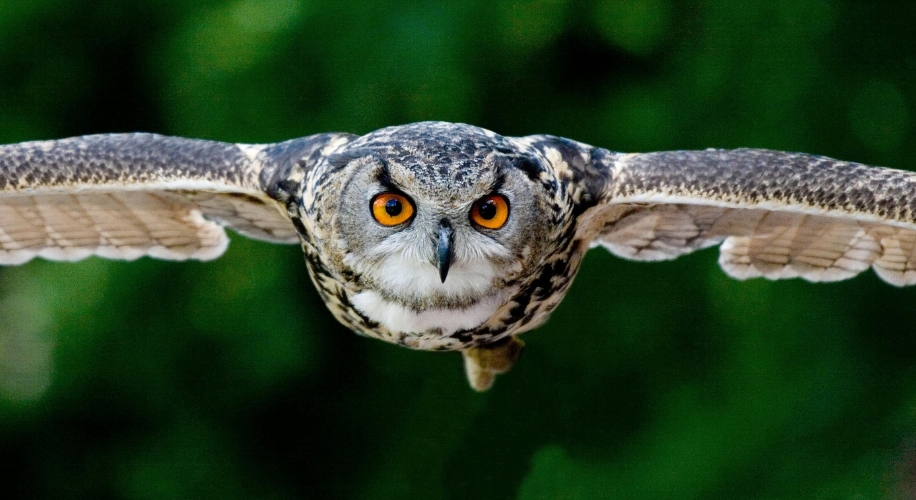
[(776, 215), (438, 279), (123, 196)]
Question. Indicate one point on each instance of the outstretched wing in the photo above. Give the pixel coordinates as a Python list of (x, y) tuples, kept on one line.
[(776, 215), (122, 196)]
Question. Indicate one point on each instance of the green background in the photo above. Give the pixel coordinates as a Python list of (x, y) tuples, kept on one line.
[(153, 380)]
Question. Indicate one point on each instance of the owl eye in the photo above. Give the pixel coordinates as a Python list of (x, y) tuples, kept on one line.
[(391, 209), (490, 212)]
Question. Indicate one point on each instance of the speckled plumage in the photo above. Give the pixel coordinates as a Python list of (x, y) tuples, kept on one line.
[(441, 162), (776, 215)]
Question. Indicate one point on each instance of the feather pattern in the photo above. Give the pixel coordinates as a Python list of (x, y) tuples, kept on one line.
[(123, 196), (776, 215)]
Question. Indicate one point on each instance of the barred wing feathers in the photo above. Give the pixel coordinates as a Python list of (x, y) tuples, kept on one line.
[(123, 196), (775, 215)]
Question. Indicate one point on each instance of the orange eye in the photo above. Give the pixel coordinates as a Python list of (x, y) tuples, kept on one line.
[(490, 212), (391, 209)]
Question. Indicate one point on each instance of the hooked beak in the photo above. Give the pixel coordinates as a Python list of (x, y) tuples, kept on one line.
[(444, 248)]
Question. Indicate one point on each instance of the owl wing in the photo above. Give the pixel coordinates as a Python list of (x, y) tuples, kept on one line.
[(123, 196), (773, 214)]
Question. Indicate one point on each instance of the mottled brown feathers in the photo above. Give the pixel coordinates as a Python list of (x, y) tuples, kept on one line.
[(124, 196), (128, 160), (776, 215)]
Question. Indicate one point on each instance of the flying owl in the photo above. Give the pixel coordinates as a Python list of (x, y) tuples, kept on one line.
[(449, 237)]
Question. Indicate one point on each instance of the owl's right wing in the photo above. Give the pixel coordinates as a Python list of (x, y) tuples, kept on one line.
[(774, 214), (123, 196)]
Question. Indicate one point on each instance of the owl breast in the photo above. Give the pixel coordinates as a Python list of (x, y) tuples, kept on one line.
[(423, 317), (405, 296), (428, 323)]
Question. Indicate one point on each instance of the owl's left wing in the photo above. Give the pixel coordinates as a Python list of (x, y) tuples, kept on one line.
[(774, 214)]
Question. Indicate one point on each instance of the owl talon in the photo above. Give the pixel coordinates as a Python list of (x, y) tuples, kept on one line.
[(483, 364)]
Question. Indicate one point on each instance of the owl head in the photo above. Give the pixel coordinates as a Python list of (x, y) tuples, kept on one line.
[(435, 223)]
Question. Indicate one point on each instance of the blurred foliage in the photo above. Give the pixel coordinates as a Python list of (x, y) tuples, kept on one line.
[(230, 380)]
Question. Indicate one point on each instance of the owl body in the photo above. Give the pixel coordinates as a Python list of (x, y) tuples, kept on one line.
[(384, 283)]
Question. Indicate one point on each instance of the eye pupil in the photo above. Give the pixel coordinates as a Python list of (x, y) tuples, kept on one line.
[(487, 210), (393, 207)]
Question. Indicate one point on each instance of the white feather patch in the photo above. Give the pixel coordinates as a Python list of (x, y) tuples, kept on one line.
[(464, 301), (398, 318)]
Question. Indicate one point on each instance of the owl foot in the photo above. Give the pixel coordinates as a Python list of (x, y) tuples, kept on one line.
[(483, 364)]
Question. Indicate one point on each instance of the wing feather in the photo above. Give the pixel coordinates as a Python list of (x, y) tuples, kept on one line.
[(123, 196), (775, 215)]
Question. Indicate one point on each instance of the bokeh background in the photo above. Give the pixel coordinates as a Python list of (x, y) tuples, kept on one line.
[(152, 380)]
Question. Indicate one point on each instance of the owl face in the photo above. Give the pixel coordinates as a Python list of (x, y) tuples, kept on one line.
[(436, 237)]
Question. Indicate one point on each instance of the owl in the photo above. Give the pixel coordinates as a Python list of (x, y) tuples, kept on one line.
[(449, 237)]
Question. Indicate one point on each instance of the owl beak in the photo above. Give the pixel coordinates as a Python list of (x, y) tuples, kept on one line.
[(444, 248)]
